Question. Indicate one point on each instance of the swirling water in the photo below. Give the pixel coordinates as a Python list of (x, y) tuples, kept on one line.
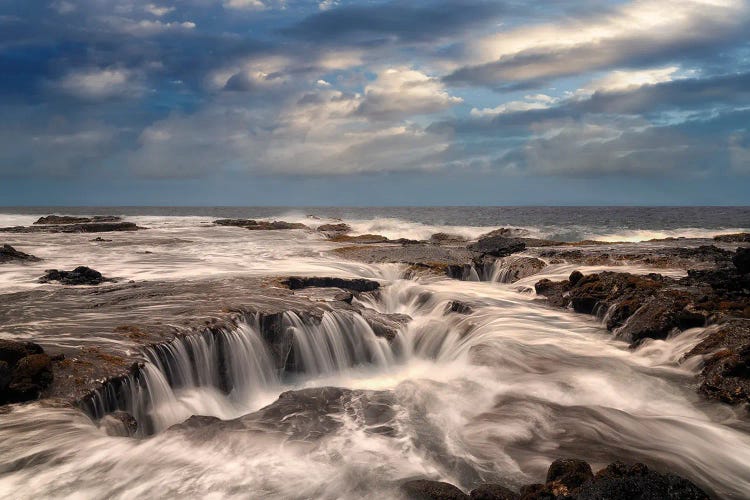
[(493, 395)]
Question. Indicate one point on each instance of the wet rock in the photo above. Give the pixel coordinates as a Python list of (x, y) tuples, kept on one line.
[(493, 492), (255, 225), (355, 285), (726, 366), (25, 371), (335, 229), (385, 325), (10, 254), (81, 275), (459, 307), (575, 277), (506, 232), (89, 227), (362, 239), (517, 268), (569, 474), (446, 239), (424, 489), (66, 219), (733, 238), (119, 423), (497, 246), (99, 239), (741, 260), (619, 481)]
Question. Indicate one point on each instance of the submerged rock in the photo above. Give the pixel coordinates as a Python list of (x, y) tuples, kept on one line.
[(81, 275), (10, 254), (256, 225), (516, 268), (25, 371), (355, 285)]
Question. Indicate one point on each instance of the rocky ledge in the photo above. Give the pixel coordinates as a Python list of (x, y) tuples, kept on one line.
[(571, 479), (255, 225), (637, 308), (10, 254), (25, 371), (85, 227), (66, 219)]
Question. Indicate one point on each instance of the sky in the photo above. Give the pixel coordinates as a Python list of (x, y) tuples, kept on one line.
[(359, 102)]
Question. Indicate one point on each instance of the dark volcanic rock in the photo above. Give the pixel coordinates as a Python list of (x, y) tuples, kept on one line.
[(446, 239), (89, 227), (423, 489), (385, 325), (497, 246), (362, 238), (66, 219), (81, 275), (741, 260), (260, 225), (570, 473), (619, 481), (335, 229), (493, 492), (25, 371), (459, 307), (516, 268), (355, 285), (726, 365), (733, 238), (9, 254)]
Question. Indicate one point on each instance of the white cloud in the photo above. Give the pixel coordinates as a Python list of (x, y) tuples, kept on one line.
[(536, 101), (98, 84), (623, 80), (145, 27), (327, 4), (158, 10), (404, 91), (245, 4), (636, 28)]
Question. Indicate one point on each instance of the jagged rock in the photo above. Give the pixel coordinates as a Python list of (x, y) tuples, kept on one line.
[(88, 227), (619, 481), (741, 260), (459, 307), (335, 229), (8, 254), (733, 238), (255, 225), (506, 232), (66, 219), (446, 238), (726, 367), (424, 489), (493, 492), (25, 371), (497, 246), (355, 285), (568, 474), (81, 275)]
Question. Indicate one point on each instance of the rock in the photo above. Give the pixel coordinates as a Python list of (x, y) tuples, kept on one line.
[(25, 371), (88, 227), (335, 229), (8, 254), (506, 232), (493, 492), (733, 238), (385, 325), (726, 366), (255, 225), (81, 275), (497, 246), (619, 481), (119, 423), (575, 277), (741, 260), (99, 239), (424, 489), (355, 285), (570, 473), (517, 268), (66, 219), (446, 239), (459, 307), (362, 238)]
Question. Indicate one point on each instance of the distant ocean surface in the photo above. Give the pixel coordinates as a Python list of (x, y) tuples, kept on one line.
[(563, 223)]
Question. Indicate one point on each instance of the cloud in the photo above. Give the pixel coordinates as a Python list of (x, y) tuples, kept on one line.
[(404, 91), (158, 10), (635, 32), (97, 84)]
